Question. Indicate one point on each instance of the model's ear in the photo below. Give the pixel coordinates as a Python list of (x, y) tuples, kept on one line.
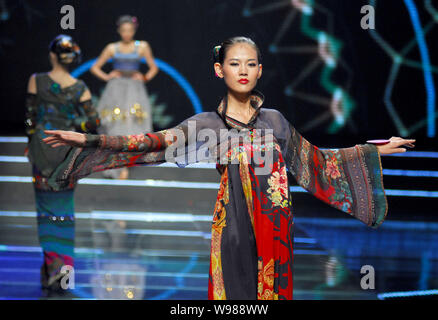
[(260, 71), (218, 70)]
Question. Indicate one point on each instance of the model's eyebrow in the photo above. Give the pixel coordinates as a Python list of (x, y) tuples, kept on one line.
[(239, 59)]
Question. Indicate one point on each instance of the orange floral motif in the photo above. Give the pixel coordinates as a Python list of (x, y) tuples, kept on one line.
[(222, 194), (260, 278), (219, 222), (268, 273), (277, 191), (134, 140), (265, 288), (332, 169), (268, 295)]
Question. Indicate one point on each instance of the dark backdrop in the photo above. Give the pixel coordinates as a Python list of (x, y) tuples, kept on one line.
[(183, 32)]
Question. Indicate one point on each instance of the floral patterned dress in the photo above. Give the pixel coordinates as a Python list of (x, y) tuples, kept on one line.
[(252, 226), (54, 107)]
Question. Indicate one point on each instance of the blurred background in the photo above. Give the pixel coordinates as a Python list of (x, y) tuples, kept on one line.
[(148, 237)]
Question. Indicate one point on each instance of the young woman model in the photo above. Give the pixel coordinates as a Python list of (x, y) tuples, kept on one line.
[(56, 100), (124, 106), (252, 231)]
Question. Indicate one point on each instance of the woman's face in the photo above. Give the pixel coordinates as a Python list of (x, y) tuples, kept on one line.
[(240, 69), (126, 31)]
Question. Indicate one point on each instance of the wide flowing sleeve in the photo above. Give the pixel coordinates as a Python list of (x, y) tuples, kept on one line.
[(104, 152), (348, 179)]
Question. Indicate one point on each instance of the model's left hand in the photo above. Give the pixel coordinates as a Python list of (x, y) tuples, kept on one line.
[(395, 145), (59, 138), (138, 76)]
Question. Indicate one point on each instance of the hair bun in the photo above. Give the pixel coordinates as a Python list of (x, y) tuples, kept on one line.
[(66, 49), (127, 18)]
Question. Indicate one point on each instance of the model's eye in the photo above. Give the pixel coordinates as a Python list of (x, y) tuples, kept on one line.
[(252, 65), (234, 64)]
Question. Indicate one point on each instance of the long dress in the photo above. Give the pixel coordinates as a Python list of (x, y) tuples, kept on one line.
[(252, 226), (124, 106), (54, 107)]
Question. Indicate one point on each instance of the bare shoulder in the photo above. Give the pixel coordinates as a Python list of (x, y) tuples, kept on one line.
[(144, 44), (31, 85), (86, 95), (110, 48)]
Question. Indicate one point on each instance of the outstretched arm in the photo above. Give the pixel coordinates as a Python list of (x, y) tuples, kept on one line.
[(396, 145), (153, 141), (348, 179), (93, 153)]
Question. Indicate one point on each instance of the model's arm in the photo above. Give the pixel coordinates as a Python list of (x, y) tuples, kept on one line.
[(101, 152), (88, 119), (396, 145), (153, 68), (349, 179), (153, 141), (105, 55), (31, 107)]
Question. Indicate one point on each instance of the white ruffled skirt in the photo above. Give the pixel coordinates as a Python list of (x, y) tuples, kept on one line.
[(124, 108)]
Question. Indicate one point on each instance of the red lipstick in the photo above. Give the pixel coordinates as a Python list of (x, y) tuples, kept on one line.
[(243, 81)]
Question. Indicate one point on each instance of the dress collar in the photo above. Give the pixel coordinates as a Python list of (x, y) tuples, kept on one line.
[(257, 98)]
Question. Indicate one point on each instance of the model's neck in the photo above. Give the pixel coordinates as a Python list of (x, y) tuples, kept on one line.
[(127, 42), (58, 69), (238, 102)]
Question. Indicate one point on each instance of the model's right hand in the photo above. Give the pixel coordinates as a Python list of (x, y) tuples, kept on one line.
[(114, 74), (64, 138)]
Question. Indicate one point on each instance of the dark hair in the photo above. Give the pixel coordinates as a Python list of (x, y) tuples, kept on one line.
[(66, 49), (127, 18), (220, 51)]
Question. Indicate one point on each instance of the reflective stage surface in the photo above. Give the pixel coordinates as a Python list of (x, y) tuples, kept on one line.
[(149, 237)]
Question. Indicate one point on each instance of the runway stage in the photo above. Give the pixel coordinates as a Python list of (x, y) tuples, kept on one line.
[(149, 237)]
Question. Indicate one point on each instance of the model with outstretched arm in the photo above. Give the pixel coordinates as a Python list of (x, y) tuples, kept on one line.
[(252, 226)]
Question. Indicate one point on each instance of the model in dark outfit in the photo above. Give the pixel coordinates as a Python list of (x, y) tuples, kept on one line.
[(55, 107)]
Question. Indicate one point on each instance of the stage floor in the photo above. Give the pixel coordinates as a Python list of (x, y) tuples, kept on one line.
[(149, 238)]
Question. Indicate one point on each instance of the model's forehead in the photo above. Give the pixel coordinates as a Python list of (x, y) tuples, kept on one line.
[(126, 25), (241, 51)]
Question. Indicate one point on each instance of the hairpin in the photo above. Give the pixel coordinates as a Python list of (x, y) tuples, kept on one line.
[(216, 50), (134, 20)]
